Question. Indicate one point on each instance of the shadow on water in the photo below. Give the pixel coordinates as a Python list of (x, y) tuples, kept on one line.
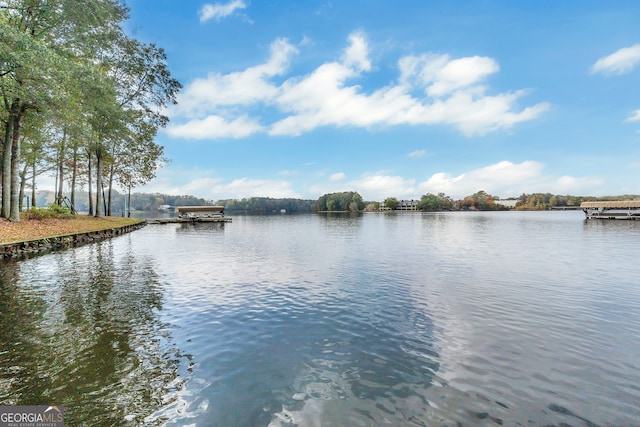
[(340, 219), (82, 330), (200, 227), (340, 225), (611, 225)]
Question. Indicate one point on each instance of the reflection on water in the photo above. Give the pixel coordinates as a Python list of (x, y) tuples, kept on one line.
[(81, 328), (286, 331), (277, 351), (501, 318)]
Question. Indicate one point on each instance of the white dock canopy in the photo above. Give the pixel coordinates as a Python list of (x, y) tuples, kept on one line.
[(613, 204), (613, 209), (200, 210)]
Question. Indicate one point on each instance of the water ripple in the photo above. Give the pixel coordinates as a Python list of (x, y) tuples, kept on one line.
[(419, 319)]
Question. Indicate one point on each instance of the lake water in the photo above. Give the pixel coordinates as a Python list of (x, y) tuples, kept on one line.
[(500, 318)]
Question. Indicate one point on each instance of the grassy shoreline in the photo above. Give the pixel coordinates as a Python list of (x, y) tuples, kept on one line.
[(34, 229)]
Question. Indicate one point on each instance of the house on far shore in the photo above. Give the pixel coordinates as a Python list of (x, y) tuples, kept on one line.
[(507, 203), (408, 205)]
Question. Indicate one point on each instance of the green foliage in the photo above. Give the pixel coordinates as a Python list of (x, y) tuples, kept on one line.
[(544, 201), (53, 211), (372, 207), (37, 213), (139, 201), (72, 62), (535, 201), (339, 202), (150, 202), (431, 202), (59, 210), (391, 203), (265, 205), (480, 201)]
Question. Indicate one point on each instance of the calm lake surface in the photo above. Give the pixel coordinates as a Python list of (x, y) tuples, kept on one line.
[(501, 318)]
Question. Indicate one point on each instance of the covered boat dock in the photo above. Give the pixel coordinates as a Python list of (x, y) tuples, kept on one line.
[(615, 209), (195, 214)]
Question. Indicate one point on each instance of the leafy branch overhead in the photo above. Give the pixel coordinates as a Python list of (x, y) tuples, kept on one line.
[(95, 94)]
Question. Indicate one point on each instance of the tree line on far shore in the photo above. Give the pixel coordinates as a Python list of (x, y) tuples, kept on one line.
[(348, 201), (482, 201), (80, 99), (123, 202), (351, 201)]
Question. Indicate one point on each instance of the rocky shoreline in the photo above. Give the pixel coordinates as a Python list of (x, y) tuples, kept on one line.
[(63, 241)]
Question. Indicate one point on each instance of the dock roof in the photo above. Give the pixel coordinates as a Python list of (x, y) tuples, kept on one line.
[(612, 204), (199, 208)]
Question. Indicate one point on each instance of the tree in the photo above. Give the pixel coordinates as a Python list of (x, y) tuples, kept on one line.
[(35, 150), (143, 86), (356, 204), (480, 201), (373, 207), (429, 202), (446, 202), (256, 205), (70, 61), (105, 122), (25, 64), (139, 164), (41, 43), (391, 203), (336, 202)]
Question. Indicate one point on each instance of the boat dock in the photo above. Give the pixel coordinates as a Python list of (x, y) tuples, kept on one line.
[(190, 214), (619, 209)]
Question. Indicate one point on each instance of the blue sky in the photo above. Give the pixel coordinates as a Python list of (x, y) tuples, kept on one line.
[(398, 98)]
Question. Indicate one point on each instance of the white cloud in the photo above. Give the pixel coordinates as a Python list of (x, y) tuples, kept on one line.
[(257, 188), (357, 54), (241, 88), (214, 188), (507, 179), (418, 153), (431, 90), (503, 179), (477, 114), (214, 127), (383, 186), (572, 185), (490, 178), (372, 187), (218, 11), (634, 118), (322, 99), (620, 62), (441, 75)]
